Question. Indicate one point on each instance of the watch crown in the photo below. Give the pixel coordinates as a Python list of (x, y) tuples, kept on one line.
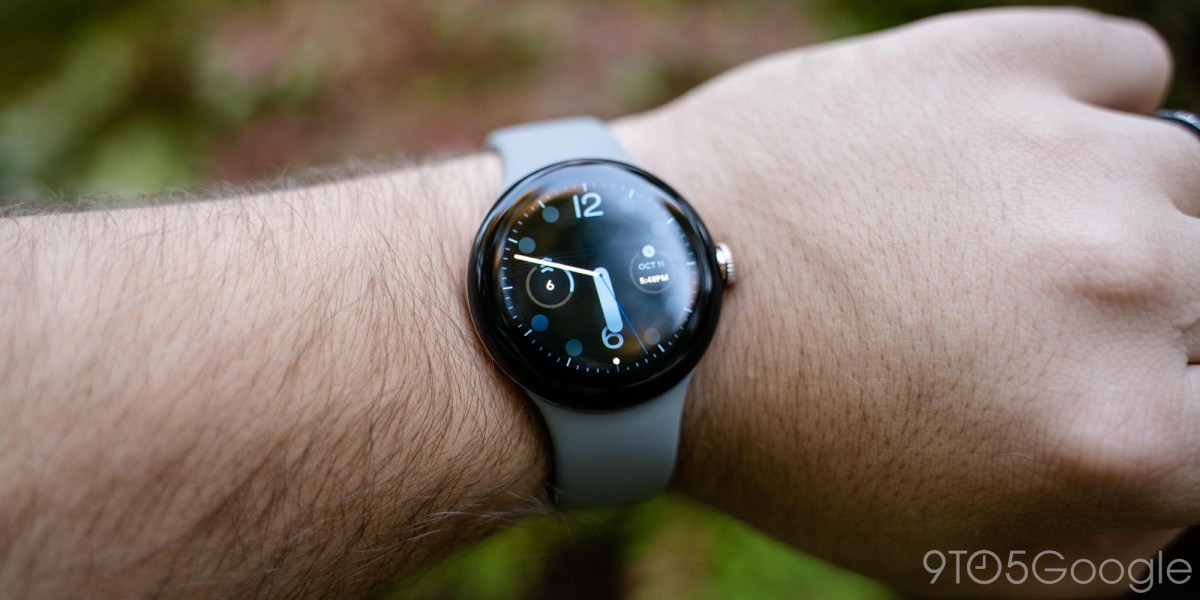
[(726, 264)]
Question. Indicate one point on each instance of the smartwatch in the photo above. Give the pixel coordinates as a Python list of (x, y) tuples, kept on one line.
[(597, 288)]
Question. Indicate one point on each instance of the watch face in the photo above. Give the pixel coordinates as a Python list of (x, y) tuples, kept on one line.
[(594, 285)]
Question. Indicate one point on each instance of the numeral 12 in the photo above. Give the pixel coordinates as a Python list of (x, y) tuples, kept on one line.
[(588, 205)]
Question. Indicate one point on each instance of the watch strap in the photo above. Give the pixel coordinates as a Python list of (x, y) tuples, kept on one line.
[(614, 457), (527, 148), (608, 457)]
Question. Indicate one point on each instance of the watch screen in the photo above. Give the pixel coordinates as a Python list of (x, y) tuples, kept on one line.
[(596, 272)]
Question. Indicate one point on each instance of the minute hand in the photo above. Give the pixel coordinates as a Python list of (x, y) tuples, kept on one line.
[(608, 301)]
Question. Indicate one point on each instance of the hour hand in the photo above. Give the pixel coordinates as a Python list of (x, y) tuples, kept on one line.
[(608, 301)]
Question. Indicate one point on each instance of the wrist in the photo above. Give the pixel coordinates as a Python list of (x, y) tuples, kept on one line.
[(433, 443), (495, 433), (759, 340)]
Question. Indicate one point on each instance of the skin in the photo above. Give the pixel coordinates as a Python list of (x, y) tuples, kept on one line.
[(966, 307), (972, 305)]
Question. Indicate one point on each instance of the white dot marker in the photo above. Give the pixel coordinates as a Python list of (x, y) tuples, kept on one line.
[(616, 361), (648, 251)]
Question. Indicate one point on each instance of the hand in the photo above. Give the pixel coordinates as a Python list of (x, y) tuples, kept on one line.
[(970, 293)]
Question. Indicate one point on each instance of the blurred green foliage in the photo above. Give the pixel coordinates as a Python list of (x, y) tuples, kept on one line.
[(133, 96), (97, 97), (665, 548)]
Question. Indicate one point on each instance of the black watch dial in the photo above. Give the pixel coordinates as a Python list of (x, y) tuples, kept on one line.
[(593, 284)]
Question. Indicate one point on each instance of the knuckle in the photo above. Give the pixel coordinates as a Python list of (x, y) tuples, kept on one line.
[(1171, 154), (1147, 42), (1014, 40), (1114, 261)]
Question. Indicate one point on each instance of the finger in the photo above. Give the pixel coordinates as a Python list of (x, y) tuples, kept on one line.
[(1191, 380), (1161, 155), (1181, 234), (1108, 61), (1154, 454), (1138, 161), (1191, 339), (1178, 147), (1187, 257)]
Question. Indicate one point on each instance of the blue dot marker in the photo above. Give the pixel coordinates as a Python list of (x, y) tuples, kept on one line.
[(574, 347), (527, 245), (539, 322), (550, 214)]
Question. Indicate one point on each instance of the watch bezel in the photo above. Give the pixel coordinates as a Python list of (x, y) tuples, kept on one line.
[(499, 338)]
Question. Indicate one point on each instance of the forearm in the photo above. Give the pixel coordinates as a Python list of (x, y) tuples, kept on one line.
[(275, 392)]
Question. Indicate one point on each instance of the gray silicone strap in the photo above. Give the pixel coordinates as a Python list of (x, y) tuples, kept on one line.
[(599, 457), (527, 148), (614, 457)]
